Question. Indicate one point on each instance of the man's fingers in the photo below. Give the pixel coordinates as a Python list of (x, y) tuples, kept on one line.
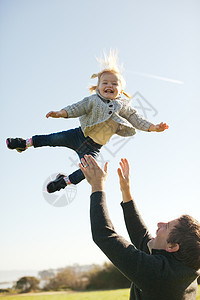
[(126, 164), (122, 165), (82, 168), (106, 167), (84, 162), (91, 161), (119, 171)]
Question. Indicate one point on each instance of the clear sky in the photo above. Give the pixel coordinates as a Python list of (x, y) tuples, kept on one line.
[(47, 55)]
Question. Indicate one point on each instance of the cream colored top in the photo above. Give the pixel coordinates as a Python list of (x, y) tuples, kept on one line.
[(101, 133), (117, 116)]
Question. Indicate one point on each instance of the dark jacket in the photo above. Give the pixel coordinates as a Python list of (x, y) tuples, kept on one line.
[(156, 276)]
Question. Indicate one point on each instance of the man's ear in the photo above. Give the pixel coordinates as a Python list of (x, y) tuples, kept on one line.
[(172, 247)]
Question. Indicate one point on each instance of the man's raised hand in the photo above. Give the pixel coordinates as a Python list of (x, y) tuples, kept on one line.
[(124, 179), (95, 175)]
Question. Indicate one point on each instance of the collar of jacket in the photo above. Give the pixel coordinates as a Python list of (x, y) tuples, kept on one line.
[(170, 255), (106, 99), (161, 251)]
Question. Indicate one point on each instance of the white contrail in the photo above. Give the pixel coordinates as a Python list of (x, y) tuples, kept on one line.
[(158, 77)]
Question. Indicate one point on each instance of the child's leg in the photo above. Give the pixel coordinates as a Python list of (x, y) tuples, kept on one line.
[(87, 147), (62, 181), (70, 139), (17, 144), (75, 177)]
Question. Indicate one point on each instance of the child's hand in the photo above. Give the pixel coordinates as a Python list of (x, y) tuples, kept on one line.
[(57, 114), (54, 114), (159, 127)]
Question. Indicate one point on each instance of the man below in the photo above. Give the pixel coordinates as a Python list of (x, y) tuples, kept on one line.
[(163, 268)]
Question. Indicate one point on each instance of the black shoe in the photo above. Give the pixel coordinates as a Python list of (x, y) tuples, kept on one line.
[(18, 144), (57, 184)]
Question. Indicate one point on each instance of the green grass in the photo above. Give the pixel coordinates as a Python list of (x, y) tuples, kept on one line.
[(122, 294), (198, 293)]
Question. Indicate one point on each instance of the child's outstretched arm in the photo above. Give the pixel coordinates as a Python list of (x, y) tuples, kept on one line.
[(159, 127), (57, 114)]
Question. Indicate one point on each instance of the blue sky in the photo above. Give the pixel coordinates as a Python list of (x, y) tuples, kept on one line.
[(47, 56)]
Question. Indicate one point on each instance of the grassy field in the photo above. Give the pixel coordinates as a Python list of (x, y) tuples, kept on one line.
[(99, 295), (122, 294)]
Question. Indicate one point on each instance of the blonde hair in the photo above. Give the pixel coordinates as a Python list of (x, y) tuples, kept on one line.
[(109, 64)]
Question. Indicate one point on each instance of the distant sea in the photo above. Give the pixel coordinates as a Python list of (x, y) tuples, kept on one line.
[(9, 278)]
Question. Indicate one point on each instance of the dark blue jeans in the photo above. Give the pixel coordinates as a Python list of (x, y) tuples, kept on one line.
[(73, 139)]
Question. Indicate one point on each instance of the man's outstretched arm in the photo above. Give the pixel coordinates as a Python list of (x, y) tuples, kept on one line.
[(130, 261), (136, 228)]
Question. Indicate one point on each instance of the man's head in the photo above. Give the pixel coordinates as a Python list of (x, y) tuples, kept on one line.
[(160, 242), (182, 237), (187, 234)]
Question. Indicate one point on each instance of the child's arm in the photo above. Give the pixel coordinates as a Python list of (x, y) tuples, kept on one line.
[(159, 127), (57, 114), (139, 122)]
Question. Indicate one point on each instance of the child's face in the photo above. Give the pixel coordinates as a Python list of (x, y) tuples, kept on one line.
[(109, 85)]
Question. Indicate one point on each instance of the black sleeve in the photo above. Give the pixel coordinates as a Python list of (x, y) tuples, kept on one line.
[(136, 228), (135, 264)]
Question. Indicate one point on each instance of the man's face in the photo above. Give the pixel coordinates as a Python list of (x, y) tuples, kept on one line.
[(162, 234)]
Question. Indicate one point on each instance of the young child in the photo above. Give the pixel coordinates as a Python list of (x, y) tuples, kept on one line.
[(101, 115)]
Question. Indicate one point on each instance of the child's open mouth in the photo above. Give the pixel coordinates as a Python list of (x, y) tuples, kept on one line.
[(109, 91)]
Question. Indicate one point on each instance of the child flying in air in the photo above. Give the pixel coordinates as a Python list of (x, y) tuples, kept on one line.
[(101, 115)]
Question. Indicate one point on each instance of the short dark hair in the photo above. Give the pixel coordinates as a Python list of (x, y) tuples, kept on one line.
[(187, 234)]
